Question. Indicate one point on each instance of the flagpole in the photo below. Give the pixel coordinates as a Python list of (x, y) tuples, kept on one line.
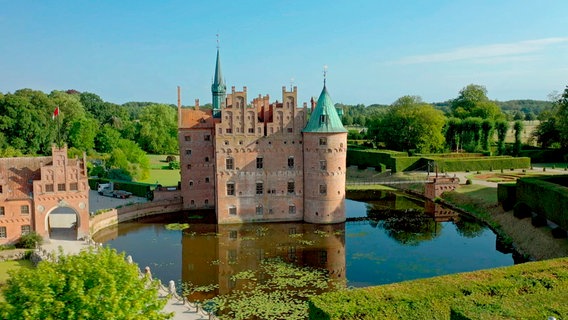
[(58, 129)]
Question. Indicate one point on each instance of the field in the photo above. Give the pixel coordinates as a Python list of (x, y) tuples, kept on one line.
[(160, 173)]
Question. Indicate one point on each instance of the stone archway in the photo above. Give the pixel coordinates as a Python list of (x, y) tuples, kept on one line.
[(62, 223)]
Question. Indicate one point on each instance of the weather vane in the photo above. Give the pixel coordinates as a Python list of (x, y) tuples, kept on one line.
[(217, 35), (324, 73)]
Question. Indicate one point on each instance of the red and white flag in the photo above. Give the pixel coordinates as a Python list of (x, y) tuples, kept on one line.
[(55, 113)]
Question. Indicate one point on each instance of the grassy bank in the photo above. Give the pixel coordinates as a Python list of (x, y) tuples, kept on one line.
[(533, 290)]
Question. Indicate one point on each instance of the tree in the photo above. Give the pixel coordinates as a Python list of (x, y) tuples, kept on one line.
[(501, 126), (562, 117), (158, 129), (90, 285), (473, 102), (82, 134), (518, 127), (411, 124), (106, 139), (129, 158)]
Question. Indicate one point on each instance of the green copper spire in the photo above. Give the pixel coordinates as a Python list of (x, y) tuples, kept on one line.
[(325, 117), (218, 89)]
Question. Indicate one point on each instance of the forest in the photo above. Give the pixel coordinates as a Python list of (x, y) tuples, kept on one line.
[(117, 138)]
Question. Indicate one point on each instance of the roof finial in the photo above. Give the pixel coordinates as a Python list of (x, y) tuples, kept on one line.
[(324, 74), (291, 84)]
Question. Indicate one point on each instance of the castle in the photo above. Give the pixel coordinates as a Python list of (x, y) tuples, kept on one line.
[(263, 161)]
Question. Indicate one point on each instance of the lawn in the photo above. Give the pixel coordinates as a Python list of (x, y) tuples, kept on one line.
[(160, 173)]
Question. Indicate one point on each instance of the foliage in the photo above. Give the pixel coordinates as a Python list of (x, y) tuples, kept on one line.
[(473, 102), (518, 127), (29, 241), (408, 227), (501, 126), (278, 290), (85, 286), (173, 165), (547, 196), (129, 158), (481, 163), (562, 116), (158, 129), (517, 292), (410, 124)]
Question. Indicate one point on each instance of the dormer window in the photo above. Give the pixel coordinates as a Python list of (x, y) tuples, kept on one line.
[(323, 118)]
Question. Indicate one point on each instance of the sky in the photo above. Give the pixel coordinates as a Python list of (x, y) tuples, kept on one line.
[(375, 50)]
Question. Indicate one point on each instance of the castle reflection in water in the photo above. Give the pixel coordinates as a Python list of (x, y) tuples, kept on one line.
[(231, 249)]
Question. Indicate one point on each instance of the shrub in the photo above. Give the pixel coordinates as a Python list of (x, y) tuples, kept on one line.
[(559, 233), (29, 241), (539, 221), (522, 210), (468, 181), (173, 165), (170, 158)]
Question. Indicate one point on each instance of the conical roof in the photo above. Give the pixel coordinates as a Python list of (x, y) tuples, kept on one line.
[(324, 118), (218, 83)]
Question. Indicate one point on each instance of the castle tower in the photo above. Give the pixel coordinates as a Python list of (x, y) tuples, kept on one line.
[(218, 89), (325, 154)]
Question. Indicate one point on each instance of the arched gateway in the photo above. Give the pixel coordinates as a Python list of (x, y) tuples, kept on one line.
[(48, 195)]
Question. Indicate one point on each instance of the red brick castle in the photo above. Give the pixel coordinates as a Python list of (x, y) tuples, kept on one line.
[(263, 161)]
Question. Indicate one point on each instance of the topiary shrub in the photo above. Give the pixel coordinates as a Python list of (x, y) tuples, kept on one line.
[(29, 241), (170, 158), (539, 221), (522, 210), (559, 233), (468, 182)]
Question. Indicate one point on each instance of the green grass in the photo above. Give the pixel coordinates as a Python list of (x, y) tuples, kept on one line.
[(526, 291), (159, 172)]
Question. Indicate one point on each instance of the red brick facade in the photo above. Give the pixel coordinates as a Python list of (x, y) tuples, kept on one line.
[(32, 188), (254, 163)]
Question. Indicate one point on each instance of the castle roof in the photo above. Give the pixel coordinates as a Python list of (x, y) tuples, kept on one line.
[(218, 82), (324, 118)]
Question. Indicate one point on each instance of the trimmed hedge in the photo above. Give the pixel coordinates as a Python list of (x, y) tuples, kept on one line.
[(492, 293), (137, 188), (401, 164), (507, 195), (364, 157), (547, 196), (478, 164)]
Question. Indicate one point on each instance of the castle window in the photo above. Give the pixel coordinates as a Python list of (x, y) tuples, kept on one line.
[(229, 130), (25, 209), (3, 234), (207, 137), (26, 229), (188, 166), (1, 191), (290, 162), (206, 179), (323, 118), (206, 159), (206, 202), (323, 142), (323, 165), (226, 142), (49, 188), (259, 210), (250, 130), (229, 165), (230, 188), (292, 231), (192, 202), (259, 188), (187, 138), (290, 130), (291, 187), (191, 183), (259, 163), (233, 210), (323, 189), (61, 187), (73, 186), (188, 152), (323, 256), (232, 256), (292, 209), (2, 212), (233, 234)]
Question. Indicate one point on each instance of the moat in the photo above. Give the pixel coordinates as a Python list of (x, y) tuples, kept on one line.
[(405, 240)]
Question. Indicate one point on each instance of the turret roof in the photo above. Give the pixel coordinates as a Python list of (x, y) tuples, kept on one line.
[(324, 118), (218, 80)]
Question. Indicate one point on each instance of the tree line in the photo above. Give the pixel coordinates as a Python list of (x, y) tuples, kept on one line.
[(468, 123)]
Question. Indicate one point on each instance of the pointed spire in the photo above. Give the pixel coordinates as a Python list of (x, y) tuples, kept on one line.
[(324, 118), (218, 79), (218, 88)]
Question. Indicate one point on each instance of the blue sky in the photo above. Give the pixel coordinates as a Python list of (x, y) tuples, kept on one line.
[(376, 51)]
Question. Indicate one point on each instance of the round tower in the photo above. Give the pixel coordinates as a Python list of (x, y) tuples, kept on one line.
[(325, 154)]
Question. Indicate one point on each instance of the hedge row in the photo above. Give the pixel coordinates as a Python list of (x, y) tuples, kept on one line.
[(507, 195), (453, 155), (476, 164), (494, 294), (546, 197), (137, 188)]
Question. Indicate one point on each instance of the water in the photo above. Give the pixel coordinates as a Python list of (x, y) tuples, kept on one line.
[(402, 243)]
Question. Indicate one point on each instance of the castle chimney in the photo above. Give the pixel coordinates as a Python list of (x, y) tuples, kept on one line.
[(196, 104), (313, 103)]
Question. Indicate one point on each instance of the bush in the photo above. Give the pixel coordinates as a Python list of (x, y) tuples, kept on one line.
[(539, 221), (29, 241), (174, 165), (522, 210), (170, 158), (468, 181), (559, 233)]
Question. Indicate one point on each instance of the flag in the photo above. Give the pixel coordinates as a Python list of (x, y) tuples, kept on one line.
[(55, 113)]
